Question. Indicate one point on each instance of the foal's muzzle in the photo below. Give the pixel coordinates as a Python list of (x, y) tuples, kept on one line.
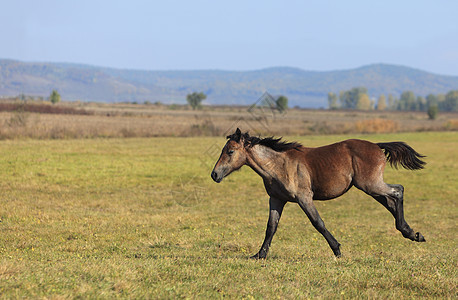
[(215, 177)]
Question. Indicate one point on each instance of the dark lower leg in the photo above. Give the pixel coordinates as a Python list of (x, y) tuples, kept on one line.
[(333, 243), (401, 224), (318, 223), (276, 208), (394, 202)]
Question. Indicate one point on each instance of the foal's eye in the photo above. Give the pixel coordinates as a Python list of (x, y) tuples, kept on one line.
[(230, 152)]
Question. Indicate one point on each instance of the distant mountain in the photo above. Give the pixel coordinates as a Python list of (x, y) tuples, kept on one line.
[(303, 88)]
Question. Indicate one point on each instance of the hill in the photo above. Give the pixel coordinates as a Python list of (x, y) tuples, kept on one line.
[(303, 88)]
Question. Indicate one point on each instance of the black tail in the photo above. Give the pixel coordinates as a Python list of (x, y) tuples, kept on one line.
[(401, 153)]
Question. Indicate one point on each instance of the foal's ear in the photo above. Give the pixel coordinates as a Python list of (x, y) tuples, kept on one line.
[(236, 135)]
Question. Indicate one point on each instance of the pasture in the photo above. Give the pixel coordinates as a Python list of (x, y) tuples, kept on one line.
[(141, 218)]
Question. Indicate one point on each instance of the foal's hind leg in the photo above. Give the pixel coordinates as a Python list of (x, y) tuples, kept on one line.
[(393, 200)]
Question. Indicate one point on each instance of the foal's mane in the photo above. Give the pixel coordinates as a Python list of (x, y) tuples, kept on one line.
[(275, 144)]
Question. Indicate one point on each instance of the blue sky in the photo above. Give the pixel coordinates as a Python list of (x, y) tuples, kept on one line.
[(233, 35)]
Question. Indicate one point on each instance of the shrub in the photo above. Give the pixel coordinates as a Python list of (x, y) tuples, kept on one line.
[(195, 99), (432, 112), (282, 103), (54, 97)]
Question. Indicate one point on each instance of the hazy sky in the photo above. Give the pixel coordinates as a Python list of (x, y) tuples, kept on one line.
[(233, 35)]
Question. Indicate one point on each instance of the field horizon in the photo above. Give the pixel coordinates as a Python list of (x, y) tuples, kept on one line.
[(69, 120)]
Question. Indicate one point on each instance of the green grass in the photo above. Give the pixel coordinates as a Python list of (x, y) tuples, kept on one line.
[(141, 218)]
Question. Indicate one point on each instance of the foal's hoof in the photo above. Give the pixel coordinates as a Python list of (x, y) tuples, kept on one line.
[(337, 254), (336, 251), (258, 256), (419, 237)]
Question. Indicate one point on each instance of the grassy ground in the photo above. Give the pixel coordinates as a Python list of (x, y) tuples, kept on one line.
[(141, 218)]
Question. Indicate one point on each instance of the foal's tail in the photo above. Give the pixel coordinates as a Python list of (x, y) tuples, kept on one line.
[(401, 153)]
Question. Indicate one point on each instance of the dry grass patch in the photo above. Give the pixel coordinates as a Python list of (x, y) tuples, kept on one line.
[(92, 120)]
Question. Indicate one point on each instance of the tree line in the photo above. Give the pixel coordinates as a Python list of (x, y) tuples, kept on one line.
[(54, 97), (195, 101), (358, 98)]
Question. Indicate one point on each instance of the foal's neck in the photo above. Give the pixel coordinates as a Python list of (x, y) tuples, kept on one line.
[(265, 161)]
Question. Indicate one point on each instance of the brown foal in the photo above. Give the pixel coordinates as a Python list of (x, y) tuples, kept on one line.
[(294, 173)]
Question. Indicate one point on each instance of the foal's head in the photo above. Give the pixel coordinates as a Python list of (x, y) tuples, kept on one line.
[(233, 156)]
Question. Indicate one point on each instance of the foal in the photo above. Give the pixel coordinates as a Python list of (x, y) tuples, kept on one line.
[(294, 173)]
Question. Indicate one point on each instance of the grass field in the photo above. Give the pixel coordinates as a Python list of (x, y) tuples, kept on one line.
[(141, 218)]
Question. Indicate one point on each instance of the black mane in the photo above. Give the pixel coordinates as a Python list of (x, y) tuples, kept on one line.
[(275, 144)]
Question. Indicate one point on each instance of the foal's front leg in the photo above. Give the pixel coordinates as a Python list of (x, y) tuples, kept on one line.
[(276, 208), (306, 203)]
